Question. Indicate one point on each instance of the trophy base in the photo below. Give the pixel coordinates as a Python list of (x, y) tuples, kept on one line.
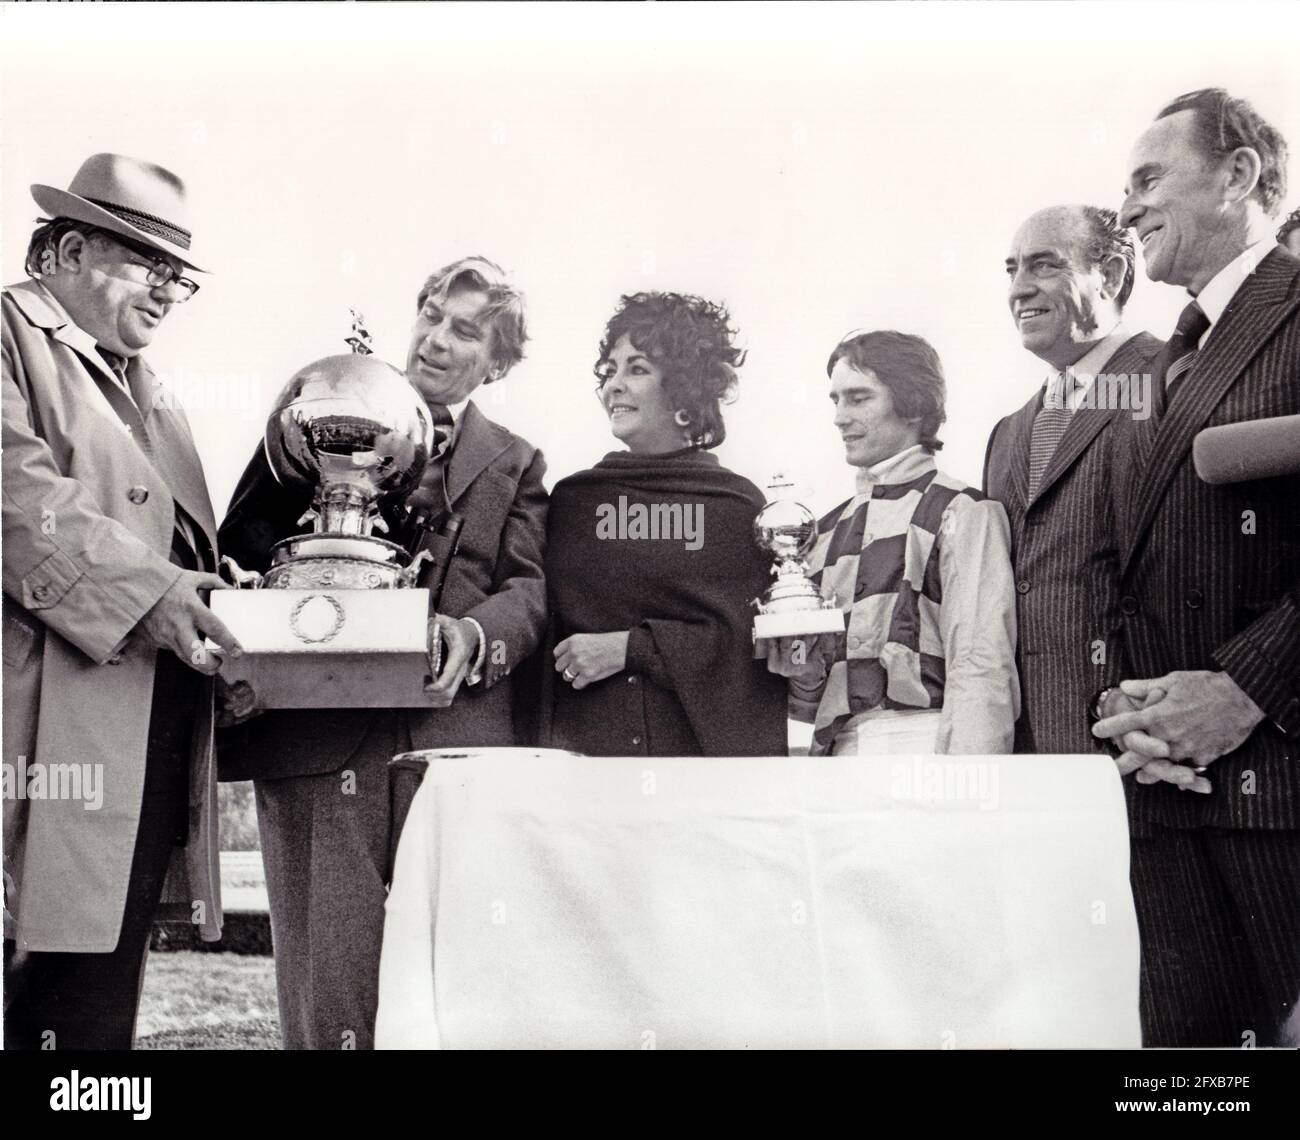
[(312, 649), (798, 623), (337, 561)]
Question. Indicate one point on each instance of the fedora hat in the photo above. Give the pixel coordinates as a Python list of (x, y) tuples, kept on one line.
[(127, 196)]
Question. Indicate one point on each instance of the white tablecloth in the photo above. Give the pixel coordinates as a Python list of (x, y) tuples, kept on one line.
[(551, 901)]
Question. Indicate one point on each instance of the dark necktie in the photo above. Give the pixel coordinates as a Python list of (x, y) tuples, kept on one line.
[(1180, 354), (444, 428), (428, 502), (1049, 427)]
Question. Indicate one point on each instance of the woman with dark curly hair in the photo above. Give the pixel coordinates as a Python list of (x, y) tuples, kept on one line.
[(651, 563)]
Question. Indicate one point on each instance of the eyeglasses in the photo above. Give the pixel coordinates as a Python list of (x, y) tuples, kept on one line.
[(161, 271)]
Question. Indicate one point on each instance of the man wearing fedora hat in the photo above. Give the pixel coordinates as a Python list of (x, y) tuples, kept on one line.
[(109, 548)]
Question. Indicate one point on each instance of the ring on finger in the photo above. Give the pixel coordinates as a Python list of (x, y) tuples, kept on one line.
[(570, 675)]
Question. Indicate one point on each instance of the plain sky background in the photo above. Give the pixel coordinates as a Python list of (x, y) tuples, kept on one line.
[(819, 169)]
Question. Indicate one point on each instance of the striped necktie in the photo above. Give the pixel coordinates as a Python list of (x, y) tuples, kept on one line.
[(1180, 354), (1049, 427)]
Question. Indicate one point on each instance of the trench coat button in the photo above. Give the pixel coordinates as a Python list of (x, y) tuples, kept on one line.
[(138, 494), (1022, 587), (631, 680), (1194, 599), (40, 593), (636, 740), (855, 642), (116, 659), (1128, 604)]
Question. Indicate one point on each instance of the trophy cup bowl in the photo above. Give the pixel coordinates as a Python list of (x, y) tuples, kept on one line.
[(353, 428), (791, 606), (336, 621)]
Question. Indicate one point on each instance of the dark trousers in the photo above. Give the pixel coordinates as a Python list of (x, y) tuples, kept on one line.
[(89, 1001), (326, 848), (1219, 918)]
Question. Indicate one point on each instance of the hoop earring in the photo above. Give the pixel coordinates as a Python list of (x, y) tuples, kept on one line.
[(682, 418)]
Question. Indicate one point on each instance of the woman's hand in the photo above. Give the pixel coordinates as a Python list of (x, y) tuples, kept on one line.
[(586, 658)]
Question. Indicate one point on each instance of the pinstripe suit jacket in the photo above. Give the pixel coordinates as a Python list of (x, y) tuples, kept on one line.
[(1066, 562), (1210, 576)]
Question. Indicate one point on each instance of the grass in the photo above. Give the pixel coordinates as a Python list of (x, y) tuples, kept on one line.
[(208, 1001)]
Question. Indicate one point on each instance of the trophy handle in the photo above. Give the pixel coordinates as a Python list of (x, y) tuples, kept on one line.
[(411, 574), (435, 648), (237, 576)]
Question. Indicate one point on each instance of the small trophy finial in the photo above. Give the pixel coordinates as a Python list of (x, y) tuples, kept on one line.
[(359, 341)]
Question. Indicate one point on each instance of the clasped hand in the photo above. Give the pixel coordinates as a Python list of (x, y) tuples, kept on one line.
[(1188, 715)]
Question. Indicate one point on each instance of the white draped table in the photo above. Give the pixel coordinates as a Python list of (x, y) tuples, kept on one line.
[(542, 900)]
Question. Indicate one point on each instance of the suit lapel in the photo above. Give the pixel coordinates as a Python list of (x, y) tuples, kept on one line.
[(1087, 422), (1081, 431), (476, 446), (1254, 314), (1021, 428)]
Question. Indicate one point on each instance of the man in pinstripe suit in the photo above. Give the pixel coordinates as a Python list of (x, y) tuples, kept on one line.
[(1209, 593), (1071, 271)]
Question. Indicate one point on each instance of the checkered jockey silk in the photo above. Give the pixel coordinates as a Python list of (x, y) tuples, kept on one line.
[(877, 556)]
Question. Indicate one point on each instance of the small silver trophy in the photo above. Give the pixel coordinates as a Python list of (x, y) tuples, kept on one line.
[(337, 621), (791, 606)]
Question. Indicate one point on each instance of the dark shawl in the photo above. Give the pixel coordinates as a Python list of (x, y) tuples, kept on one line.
[(691, 685)]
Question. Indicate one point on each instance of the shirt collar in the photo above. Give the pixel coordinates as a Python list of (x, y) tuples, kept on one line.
[(908, 464), (1085, 369), (1092, 361), (457, 412), (1223, 286)]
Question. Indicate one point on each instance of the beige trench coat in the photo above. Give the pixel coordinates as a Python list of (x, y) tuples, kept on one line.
[(88, 522)]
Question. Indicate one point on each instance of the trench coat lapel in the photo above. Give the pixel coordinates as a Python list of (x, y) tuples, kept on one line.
[(148, 409), (173, 451)]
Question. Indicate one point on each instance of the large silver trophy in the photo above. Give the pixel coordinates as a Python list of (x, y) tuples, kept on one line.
[(337, 620), (791, 606)]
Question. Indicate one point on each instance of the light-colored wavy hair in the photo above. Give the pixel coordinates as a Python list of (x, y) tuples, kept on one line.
[(504, 310)]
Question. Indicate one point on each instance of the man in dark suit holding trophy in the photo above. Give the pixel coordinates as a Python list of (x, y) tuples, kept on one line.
[(321, 775)]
